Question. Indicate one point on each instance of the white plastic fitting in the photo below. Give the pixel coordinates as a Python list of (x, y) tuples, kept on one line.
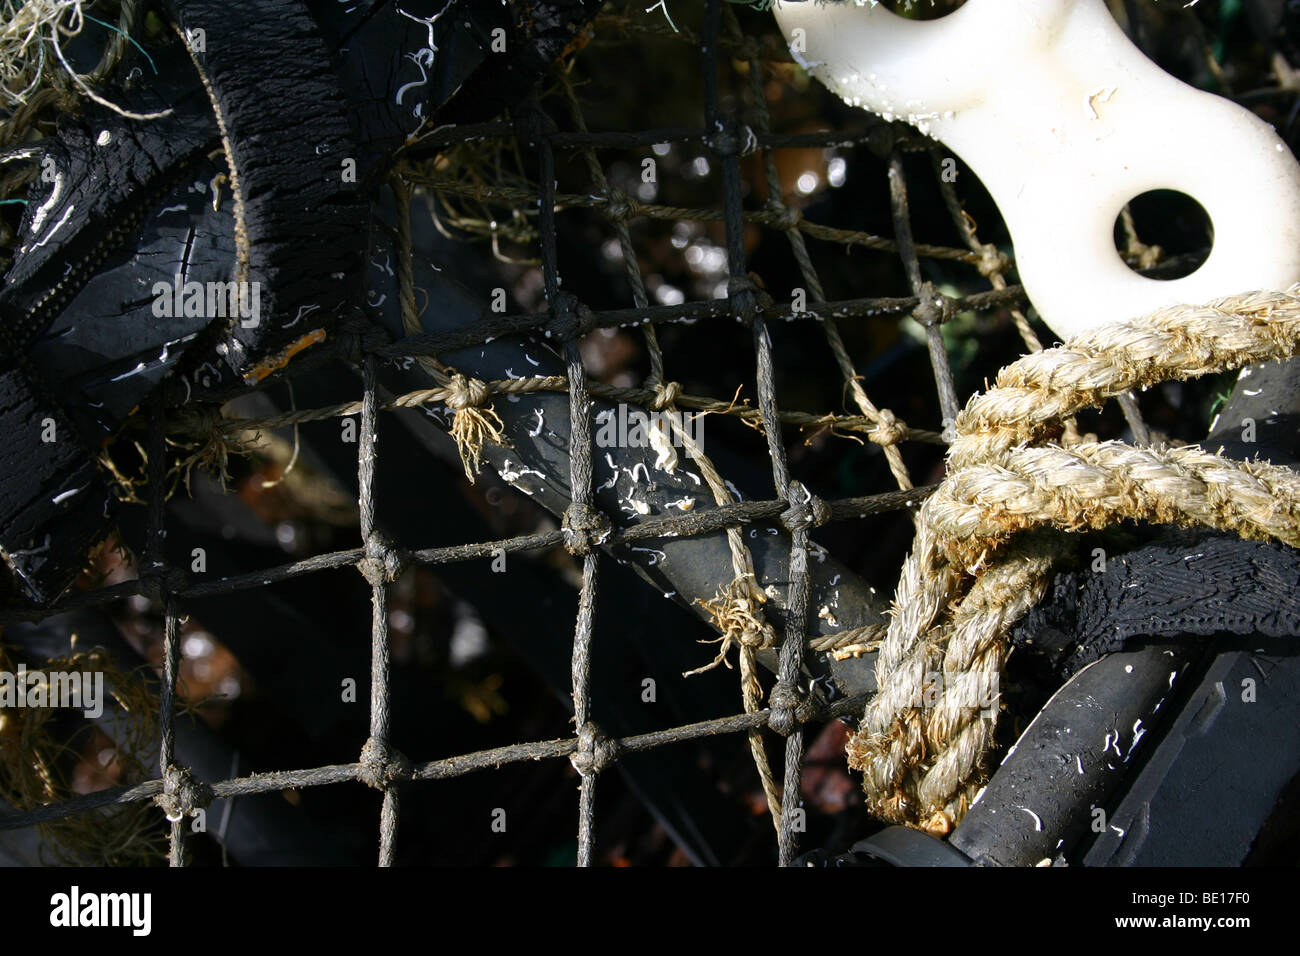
[(1065, 122)]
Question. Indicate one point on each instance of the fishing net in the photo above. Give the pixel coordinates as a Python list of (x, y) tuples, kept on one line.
[(679, 231)]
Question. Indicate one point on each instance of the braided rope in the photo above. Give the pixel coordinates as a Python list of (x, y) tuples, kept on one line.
[(968, 579)]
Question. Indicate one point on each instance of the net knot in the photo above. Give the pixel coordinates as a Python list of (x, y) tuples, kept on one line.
[(745, 296), (619, 206), (784, 705), (473, 425), (889, 430), (595, 752), (464, 392), (806, 509), (357, 336), (934, 308), (730, 140), (991, 261), (199, 420), (570, 319), (748, 47), (584, 528), (665, 394), (382, 563), (785, 217), (382, 765), (157, 581), (532, 124), (737, 613), (182, 794)]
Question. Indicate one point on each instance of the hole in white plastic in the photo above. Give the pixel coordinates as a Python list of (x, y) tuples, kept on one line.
[(922, 9), (1172, 221)]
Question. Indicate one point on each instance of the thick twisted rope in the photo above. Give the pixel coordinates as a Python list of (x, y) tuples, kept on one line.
[(972, 573)]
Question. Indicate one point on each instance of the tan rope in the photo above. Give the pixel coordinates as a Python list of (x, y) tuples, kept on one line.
[(1136, 251), (892, 430), (736, 610), (14, 129), (519, 196), (849, 643), (1094, 484), (117, 43), (968, 579), (888, 430), (473, 425), (993, 265)]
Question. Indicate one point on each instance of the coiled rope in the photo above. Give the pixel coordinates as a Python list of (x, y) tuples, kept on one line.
[(972, 574)]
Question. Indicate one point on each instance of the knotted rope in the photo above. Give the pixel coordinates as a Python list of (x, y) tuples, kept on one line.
[(971, 574), (736, 610), (183, 794), (476, 422)]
